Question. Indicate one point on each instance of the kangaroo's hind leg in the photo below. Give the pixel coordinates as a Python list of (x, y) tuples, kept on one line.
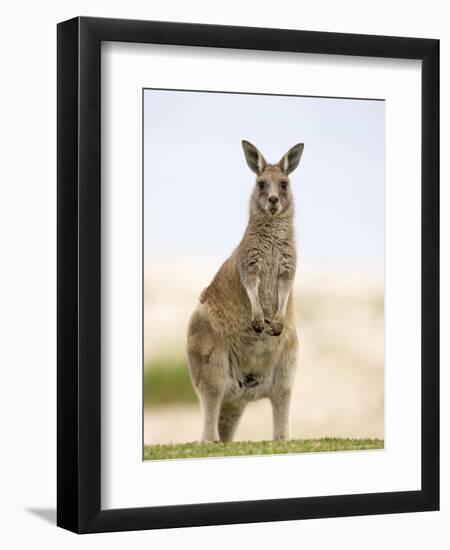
[(211, 401), (211, 388), (208, 363), (280, 396), (230, 414)]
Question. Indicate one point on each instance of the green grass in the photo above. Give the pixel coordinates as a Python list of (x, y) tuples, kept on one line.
[(245, 448), (167, 381)]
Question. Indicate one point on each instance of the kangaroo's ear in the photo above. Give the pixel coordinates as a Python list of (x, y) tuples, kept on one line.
[(255, 160), (291, 159)]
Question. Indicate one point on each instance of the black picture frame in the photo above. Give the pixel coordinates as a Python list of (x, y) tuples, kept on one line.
[(79, 275)]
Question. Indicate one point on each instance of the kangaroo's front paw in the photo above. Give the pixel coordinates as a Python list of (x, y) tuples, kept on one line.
[(276, 327), (258, 323)]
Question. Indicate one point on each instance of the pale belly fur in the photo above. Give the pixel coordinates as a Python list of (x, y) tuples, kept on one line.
[(251, 369)]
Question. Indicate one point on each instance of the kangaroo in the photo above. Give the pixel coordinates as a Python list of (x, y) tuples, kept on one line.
[(242, 341)]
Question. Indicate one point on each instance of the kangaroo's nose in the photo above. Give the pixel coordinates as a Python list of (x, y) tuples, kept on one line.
[(273, 199)]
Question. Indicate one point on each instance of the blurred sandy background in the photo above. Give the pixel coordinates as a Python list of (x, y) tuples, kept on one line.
[(339, 388)]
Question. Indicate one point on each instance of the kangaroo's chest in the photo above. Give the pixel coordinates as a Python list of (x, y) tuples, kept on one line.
[(273, 257)]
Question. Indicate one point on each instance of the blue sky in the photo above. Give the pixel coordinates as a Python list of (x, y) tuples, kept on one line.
[(197, 184)]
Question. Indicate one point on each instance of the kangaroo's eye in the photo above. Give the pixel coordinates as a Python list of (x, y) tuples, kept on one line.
[(284, 185), (261, 184)]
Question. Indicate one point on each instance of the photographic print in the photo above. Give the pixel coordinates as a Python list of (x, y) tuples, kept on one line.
[(264, 244)]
